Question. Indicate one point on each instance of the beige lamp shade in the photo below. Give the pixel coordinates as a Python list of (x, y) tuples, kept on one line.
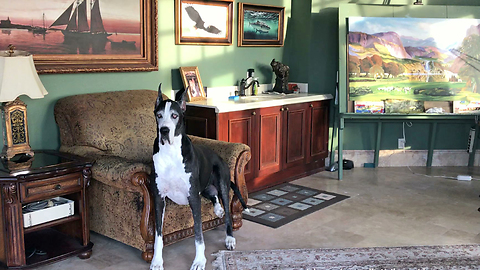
[(18, 76)]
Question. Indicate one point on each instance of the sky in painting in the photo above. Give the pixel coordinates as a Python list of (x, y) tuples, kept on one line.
[(115, 13), (448, 33)]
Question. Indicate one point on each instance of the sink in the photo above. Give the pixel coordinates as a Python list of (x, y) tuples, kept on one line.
[(258, 98)]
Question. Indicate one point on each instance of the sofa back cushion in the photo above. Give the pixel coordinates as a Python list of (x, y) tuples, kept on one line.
[(117, 123)]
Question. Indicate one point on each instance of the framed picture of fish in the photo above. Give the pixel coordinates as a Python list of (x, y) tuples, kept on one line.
[(192, 83), (71, 36), (203, 22), (260, 25)]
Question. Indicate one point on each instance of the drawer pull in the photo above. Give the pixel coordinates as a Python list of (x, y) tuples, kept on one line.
[(254, 113), (282, 109), (57, 187), (311, 105)]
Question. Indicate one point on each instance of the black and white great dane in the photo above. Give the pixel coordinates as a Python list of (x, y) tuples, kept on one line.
[(182, 172)]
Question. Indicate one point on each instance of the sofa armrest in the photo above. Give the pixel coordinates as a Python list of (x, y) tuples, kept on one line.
[(117, 171), (111, 170), (226, 150)]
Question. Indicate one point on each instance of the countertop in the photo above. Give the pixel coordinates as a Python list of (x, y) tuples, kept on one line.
[(222, 105)]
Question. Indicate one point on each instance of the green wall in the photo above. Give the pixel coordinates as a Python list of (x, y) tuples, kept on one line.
[(218, 66), (311, 50)]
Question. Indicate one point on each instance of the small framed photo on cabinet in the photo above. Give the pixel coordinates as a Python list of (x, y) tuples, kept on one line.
[(192, 83)]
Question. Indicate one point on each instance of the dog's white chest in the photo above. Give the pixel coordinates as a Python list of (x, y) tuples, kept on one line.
[(172, 180)]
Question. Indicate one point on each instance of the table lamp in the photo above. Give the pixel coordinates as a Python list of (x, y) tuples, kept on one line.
[(18, 76)]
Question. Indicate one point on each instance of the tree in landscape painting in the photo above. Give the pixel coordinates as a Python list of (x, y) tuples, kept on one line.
[(470, 51)]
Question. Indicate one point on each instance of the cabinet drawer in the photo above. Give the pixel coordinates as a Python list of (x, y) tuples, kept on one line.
[(43, 189)]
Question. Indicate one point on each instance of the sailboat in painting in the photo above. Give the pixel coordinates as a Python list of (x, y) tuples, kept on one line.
[(39, 29), (77, 21)]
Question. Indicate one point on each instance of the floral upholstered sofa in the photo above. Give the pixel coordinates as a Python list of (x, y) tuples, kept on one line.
[(117, 130)]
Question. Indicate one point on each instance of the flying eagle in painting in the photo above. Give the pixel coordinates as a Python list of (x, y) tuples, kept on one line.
[(199, 23)]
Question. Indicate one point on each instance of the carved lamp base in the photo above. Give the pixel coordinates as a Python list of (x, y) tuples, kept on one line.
[(15, 129)]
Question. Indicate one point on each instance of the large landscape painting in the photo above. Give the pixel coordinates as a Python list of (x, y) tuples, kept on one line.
[(413, 58)]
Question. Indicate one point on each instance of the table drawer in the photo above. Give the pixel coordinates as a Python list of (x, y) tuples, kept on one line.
[(42, 189)]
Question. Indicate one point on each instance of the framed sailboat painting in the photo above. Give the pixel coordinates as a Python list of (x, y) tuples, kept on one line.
[(69, 36)]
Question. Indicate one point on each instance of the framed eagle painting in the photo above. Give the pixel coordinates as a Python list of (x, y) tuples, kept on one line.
[(200, 22)]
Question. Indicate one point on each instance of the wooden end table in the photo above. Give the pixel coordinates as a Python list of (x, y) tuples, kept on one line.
[(47, 175)]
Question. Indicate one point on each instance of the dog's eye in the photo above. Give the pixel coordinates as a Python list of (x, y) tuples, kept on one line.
[(174, 115), (159, 115)]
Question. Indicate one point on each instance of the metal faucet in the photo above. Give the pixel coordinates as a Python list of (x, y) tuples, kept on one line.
[(241, 91)]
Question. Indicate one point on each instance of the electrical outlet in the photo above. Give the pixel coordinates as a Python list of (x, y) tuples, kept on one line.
[(401, 143)]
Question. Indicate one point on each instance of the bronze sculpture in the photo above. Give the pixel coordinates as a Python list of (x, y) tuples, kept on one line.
[(281, 81)]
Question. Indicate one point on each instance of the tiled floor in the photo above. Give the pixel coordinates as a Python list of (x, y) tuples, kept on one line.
[(387, 207)]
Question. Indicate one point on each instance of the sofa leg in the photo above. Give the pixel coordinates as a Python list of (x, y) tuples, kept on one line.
[(236, 213), (147, 255)]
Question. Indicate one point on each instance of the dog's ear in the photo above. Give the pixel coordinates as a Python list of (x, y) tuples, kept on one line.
[(160, 96), (181, 100), (179, 94)]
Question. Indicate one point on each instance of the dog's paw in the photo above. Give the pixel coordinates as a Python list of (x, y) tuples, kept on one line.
[(218, 209), (199, 264), (230, 242), (156, 266)]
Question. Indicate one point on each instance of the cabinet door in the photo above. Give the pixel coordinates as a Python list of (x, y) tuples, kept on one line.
[(318, 141), (240, 127), (201, 122), (269, 143), (295, 134)]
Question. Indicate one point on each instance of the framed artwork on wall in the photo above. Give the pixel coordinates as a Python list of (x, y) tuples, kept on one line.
[(192, 83), (202, 22), (70, 36), (437, 60), (260, 25)]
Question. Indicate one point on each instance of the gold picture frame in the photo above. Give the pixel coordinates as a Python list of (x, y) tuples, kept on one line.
[(260, 25), (192, 83), (203, 22), (132, 52)]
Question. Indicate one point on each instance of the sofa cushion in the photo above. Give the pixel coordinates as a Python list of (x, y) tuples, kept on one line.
[(120, 124)]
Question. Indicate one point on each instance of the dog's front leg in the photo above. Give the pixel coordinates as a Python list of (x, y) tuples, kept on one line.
[(157, 261), (200, 259)]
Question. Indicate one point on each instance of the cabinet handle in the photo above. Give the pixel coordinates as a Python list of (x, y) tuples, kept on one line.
[(282, 109), (286, 108), (254, 113), (57, 187), (311, 105)]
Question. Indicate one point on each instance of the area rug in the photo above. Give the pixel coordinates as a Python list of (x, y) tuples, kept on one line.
[(458, 257), (279, 205)]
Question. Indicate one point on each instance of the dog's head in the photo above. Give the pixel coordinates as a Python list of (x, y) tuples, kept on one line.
[(169, 116)]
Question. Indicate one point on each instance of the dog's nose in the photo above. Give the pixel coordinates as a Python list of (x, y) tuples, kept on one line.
[(164, 130)]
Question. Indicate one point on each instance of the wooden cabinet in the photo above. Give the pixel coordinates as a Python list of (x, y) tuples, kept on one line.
[(239, 127), (295, 134), (47, 175), (318, 137), (269, 138), (287, 142)]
